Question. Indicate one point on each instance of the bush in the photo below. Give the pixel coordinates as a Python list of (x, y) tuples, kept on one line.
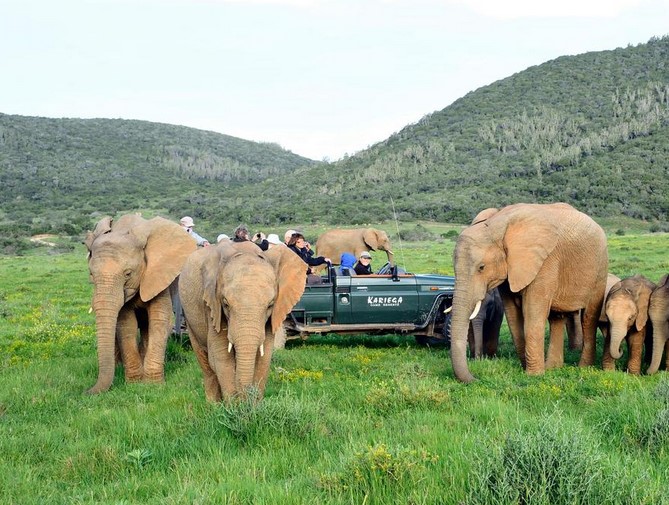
[(554, 461)]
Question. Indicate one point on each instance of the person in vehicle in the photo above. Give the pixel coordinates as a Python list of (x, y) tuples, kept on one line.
[(299, 246), (364, 264), (188, 224), (347, 263), (273, 240), (242, 234)]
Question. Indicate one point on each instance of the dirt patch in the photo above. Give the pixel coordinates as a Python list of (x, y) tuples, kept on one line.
[(43, 239)]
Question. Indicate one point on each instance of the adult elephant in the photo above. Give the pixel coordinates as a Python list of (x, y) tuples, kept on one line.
[(333, 243), (132, 262), (626, 308), (658, 312), (235, 298), (543, 257)]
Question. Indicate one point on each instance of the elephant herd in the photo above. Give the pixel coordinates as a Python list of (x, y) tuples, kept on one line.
[(549, 263), (546, 262)]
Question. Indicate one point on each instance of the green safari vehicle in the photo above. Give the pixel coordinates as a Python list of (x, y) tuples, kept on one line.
[(391, 301)]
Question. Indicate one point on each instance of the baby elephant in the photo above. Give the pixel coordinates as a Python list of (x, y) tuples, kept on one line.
[(235, 297), (627, 313)]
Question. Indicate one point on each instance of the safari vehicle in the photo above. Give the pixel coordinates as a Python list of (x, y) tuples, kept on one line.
[(391, 301)]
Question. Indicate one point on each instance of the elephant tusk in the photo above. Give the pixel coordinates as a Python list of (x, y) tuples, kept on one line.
[(262, 350), (476, 310), (229, 346), (448, 309), (90, 309)]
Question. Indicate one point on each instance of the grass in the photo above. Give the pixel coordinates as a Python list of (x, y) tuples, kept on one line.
[(351, 419)]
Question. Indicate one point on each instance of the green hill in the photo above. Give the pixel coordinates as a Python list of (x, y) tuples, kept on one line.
[(590, 129)]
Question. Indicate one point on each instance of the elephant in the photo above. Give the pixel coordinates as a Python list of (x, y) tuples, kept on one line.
[(543, 258), (235, 298), (483, 335), (626, 308), (658, 312), (132, 262), (333, 243)]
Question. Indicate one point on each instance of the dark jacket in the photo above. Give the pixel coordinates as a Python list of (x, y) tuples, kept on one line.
[(361, 269), (307, 256)]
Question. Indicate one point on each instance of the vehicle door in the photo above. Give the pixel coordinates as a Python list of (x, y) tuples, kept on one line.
[(384, 299)]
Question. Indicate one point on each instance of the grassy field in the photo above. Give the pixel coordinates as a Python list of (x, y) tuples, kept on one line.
[(356, 419)]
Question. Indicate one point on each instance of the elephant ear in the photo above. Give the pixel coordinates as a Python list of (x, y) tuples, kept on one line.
[(291, 279), (484, 215), (103, 226), (643, 302), (217, 257), (663, 281), (167, 247), (371, 238), (528, 241)]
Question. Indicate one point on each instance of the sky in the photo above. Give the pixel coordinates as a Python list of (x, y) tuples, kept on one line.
[(321, 78)]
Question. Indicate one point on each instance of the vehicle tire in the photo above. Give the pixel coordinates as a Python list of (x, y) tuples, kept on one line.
[(444, 341)]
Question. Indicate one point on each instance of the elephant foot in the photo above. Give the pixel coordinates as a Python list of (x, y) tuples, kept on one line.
[(553, 363), (154, 379), (608, 366)]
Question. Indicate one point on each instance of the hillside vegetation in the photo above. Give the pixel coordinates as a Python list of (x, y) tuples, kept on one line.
[(590, 129)]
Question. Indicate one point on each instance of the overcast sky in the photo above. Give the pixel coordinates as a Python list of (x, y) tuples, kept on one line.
[(321, 78)]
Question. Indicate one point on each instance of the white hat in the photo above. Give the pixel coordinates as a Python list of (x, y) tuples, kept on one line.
[(222, 236), (365, 254), (187, 221), (288, 234), (273, 238)]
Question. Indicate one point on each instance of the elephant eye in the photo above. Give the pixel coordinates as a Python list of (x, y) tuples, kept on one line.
[(481, 267), (127, 273)]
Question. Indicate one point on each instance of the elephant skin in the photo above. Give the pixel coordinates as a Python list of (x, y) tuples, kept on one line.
[(235, 298), (484, 328), (627, 313), (543, 258), (333, 243), (132, 262), (658, 312)]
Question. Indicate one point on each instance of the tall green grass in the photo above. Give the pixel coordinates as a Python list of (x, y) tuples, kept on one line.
[(345, 419)]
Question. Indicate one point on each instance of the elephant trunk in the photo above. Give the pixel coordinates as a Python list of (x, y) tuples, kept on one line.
[(660, 334), (618, 333), (462, 308), (107, 302), (246, 356)]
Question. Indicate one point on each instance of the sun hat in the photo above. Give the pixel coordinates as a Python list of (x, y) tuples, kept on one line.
[(187, 221), (365, 254), (273, 238), (288, 234), (222, 236)]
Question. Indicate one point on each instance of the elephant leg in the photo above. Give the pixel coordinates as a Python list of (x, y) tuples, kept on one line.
[(555, 358), (280, 338), (515, 320), (608, 363), (262, 365), (535, 314), (589, 320), (212, 390), (159, 313), (127, 339), (666, 355), (575, 331), (476, 335), (490, 340), (635, 349)]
